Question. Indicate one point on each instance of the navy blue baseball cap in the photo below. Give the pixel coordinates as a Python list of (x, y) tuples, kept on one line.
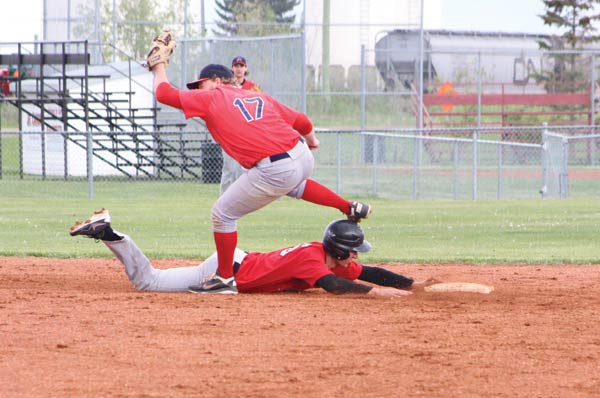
[(211, 71), (238, 61)]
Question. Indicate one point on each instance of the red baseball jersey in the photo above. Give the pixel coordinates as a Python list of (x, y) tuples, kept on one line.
[(248, 125), (291, 269), (250, 85)]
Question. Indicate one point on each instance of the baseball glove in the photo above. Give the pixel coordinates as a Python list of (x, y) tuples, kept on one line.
[(162, 48)]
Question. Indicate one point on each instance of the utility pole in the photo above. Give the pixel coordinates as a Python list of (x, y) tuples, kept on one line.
[(202, 20), (325, 56)]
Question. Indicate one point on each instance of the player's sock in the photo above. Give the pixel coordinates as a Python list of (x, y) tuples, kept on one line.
[(225, 243), (110, 235), (321, 195)]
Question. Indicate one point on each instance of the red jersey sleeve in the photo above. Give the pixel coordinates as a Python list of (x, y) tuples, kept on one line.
[(250, 85), (168, 95), (196, 102), (351, 272), (302, 124)]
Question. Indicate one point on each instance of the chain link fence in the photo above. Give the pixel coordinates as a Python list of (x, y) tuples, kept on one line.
[(387, 78), (404, 165), (571, 164), (410, 165), (460, 117)]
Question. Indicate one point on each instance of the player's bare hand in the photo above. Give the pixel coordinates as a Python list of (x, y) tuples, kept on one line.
[(312, 141), (388, 292), (424, 283)]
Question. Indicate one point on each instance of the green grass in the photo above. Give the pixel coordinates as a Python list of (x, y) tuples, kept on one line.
[(344, 111), (172, 220), (9, 116), (10, 154)]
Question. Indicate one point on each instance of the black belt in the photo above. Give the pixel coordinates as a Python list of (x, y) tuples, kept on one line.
[(279, 156), (282, 155), (236, 267)]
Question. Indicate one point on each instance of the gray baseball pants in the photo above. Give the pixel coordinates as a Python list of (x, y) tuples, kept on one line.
[(145, 277), (261, 185)]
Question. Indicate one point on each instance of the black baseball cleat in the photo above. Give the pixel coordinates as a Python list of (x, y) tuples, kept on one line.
[(358, 211), (216, 285), (94, 227)]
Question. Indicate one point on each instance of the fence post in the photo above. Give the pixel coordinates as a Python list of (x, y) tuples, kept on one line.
[(363, 88), (90, 163), (593, 109), (476, 132), (43, 148), (338, 161), (65, 157), (500, 160), (479, 88), (416, 162), (375, 161), (184, 67), (564, 175), (21, 150), (545, 160), (303, 77), (455, 170), (474, 172)]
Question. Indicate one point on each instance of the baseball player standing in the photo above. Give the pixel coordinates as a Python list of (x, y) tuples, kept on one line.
[(240, 71), (263, 135), (231, 170)]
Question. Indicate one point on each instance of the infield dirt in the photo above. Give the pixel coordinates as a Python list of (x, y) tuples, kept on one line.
[(76, 328)]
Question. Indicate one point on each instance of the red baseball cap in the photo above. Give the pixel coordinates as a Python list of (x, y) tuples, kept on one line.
[(211, 71), (238, 61)]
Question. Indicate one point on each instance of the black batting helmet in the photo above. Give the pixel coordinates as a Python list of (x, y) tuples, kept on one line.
[(343, 236)]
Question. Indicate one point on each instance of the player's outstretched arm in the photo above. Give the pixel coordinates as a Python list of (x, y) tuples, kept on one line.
[(383, 277), (338, 285), (160, 75), (163, 91)]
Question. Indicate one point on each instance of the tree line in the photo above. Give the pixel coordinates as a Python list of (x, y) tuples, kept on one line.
[(137, 21)]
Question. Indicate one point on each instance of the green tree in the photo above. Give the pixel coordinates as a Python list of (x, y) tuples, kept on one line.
[(576, 18), (125, 27), (254, 17), (134, 38), (132, 24), (281, 8), (176, 16)]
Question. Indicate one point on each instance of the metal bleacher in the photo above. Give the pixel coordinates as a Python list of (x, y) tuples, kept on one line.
[(127, 137)]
